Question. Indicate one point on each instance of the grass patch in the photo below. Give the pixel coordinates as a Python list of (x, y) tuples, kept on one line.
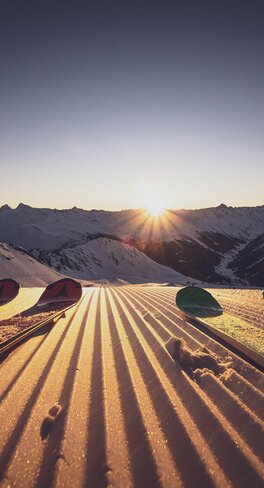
[(240, 330)]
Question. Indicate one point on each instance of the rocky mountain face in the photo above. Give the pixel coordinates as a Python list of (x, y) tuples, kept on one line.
[(197, 257), (218, 245), (19, 265), (108, 259), (248, 265)]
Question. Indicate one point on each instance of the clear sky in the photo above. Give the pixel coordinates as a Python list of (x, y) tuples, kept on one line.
[(111, 104)]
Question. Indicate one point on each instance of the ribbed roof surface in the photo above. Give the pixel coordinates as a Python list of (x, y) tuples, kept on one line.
[(130, 415)]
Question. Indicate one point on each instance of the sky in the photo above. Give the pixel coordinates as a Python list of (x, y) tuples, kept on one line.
[(119, 104)]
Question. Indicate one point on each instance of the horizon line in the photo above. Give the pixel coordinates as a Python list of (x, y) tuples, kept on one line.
[(221, 205)]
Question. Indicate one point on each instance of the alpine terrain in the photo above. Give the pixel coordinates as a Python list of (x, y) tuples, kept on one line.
[(223, 245)]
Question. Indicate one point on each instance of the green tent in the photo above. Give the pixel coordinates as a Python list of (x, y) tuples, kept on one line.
[(198, 302)]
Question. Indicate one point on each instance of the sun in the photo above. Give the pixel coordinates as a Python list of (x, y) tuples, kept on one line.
[(155, 209)]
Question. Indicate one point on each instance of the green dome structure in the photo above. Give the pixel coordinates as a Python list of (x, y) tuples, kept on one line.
[(198, 302)]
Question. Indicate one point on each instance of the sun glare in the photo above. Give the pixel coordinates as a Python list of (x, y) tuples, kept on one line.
[(155, 209)]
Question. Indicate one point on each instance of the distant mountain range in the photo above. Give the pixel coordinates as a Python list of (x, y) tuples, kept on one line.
[(222, 245)]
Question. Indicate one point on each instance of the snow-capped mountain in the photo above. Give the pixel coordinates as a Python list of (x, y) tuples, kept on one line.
[(49, 229), (102, 259), (17, 264), (110, 260), (248, 264), (199, 243)]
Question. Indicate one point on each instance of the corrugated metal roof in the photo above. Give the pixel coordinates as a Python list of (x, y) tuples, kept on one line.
[(130, 415)]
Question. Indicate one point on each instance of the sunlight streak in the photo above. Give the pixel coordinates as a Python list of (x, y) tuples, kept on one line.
[(155, 210)]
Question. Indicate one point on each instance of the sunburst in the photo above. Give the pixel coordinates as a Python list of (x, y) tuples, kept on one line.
[(155, 210)]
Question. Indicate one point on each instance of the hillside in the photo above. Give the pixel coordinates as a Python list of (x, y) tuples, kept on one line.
[(249, 262), (19, 265), (204, 244), (101, 259), (108, 259), (47, 228)]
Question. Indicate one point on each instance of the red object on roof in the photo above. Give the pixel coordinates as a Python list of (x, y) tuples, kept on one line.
[(65, 290), (8, 290)]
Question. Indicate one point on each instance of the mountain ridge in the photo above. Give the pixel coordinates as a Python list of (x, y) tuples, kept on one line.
[(192, 242)]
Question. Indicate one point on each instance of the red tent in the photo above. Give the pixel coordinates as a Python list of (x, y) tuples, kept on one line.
[(8, 290), (65, 290)]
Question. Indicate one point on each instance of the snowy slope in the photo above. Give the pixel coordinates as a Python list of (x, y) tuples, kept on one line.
[(111, 260), (49, 229), (17, 264), (197, 243), (248, 264)]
